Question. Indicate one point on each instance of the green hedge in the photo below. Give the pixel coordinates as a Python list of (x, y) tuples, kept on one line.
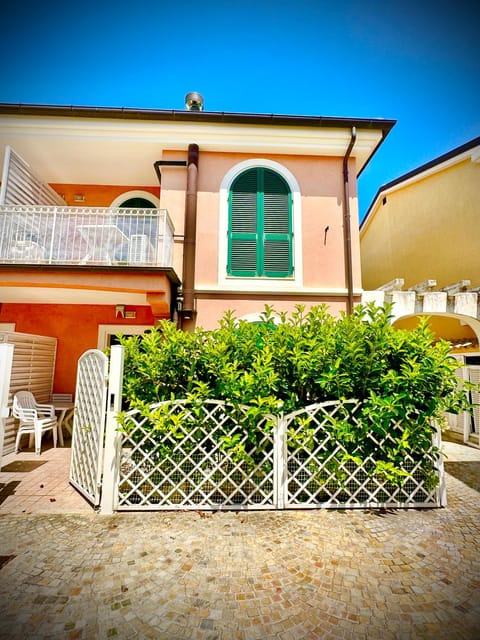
[(307, 357), (286, 362)]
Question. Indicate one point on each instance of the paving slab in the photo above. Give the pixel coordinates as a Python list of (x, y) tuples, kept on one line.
[(68, 572)]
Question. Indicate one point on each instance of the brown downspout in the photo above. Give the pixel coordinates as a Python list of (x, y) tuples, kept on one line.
[(190, 232), (156, 165), (346, 224)]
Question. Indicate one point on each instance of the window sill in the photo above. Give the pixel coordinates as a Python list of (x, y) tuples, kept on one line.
[(232, 283)]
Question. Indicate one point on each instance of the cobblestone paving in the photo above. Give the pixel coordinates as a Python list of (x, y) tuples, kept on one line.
[(288, 575)]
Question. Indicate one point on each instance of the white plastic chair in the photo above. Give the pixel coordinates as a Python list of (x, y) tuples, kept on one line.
[(34, 419), (26, 251)]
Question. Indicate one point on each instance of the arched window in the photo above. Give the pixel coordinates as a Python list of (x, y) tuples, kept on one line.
[(260, 225)]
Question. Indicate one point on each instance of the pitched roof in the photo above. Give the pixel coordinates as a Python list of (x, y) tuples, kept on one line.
[(428, 166)]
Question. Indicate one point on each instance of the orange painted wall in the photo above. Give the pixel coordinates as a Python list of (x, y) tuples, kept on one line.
[(97, 195), (75, 327)]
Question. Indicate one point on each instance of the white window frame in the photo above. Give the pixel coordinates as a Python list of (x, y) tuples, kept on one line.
[(104, 330), (234, 283)]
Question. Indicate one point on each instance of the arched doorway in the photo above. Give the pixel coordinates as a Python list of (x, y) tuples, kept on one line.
[(140, 224)]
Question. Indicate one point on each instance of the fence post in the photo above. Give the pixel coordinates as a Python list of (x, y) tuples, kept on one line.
[(6, 361), (280, 461), (442, 488), (111, 457)]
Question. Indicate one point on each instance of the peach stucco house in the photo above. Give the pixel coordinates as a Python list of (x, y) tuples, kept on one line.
[(111, 219)]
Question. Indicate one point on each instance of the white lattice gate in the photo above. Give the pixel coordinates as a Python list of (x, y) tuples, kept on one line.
[(89, 424), (190, 467), (328, 468), (296, 460)]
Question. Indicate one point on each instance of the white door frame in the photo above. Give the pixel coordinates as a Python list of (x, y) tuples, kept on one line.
[(104, 330)]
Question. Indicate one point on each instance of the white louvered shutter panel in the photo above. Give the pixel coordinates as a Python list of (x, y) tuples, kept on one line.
[(21, 186), (32, 370)]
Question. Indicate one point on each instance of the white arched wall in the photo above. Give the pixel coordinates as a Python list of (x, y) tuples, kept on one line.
[(258, 316), (233, 283), (473, 323), (459, 425), (137, 193)]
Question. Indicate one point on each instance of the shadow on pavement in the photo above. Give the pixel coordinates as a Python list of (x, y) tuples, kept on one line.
[(8, 489), (467, 472)]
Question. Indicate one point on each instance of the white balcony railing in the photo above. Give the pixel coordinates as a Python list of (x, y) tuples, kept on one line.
[(85, 235)]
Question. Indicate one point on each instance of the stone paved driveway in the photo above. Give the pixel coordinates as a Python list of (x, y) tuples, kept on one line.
[(284, 575)]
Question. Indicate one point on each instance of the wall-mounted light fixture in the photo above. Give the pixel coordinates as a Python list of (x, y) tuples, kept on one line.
[(179, 301), (79, 197), (120, 311)]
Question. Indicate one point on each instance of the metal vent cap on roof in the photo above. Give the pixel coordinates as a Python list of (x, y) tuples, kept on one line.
[(194, 101)]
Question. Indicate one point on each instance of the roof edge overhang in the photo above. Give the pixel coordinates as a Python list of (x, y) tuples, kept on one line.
[(173, 130), (129, 113)]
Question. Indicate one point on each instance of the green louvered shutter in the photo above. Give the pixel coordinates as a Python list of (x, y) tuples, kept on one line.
[(243, 231), (277, 226), (260, 225)]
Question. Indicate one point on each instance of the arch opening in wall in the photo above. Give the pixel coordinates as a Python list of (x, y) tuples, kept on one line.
[(463, 332), (136, 199), (140, 228), (258, 318)]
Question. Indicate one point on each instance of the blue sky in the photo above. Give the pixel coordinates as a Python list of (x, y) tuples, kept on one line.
[(413, 61)]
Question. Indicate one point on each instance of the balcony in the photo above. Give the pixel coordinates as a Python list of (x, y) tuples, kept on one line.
[(61, 235)]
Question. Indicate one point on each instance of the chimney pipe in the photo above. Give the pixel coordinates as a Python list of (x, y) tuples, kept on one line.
[(194, 101), (190, 232)]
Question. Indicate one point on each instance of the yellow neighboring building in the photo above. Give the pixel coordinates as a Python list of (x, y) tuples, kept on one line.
[(420, 245), (426, 224)]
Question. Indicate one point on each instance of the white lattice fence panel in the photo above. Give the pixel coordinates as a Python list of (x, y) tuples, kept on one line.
[(89, 424), (324, 471), (187, 457)]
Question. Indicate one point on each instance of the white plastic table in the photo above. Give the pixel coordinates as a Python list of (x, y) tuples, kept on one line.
[(64, 410), (101, 241)]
